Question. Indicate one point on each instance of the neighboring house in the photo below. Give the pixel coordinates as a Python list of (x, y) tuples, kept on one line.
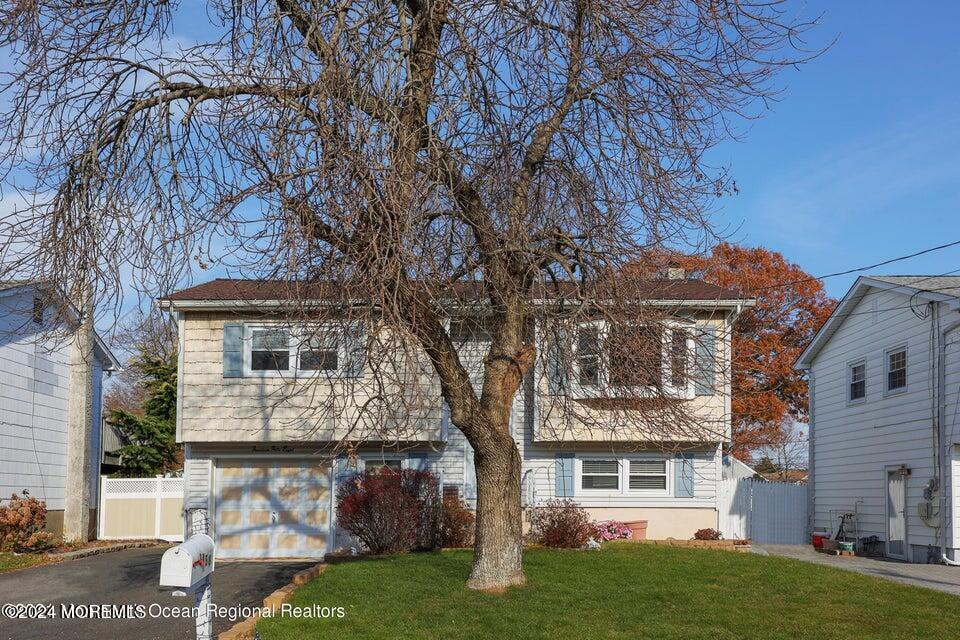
[(34, 392), (263, 472), (111, 441), (734, 468), (790, 476), (884, 374)]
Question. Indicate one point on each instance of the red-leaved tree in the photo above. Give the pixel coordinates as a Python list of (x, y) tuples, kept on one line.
[(790, 306)]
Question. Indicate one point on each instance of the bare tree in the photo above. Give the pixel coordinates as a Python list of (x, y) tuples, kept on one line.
[(140, 335), (422, 156)]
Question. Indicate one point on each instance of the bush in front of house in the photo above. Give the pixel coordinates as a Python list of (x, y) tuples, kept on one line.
[(707, 534), (561, 524), (457, 523), (21, 525), (391, 511), (606, 530)]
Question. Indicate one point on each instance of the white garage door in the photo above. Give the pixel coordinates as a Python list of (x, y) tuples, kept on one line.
[(272, 509)]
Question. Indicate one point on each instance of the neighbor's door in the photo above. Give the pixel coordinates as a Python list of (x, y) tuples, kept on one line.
[(896, 515)]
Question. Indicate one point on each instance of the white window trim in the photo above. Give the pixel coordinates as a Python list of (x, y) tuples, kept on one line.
[(850, 366), (296, 335), (887, 391), (364, 458), (666, 361), (624, 474)]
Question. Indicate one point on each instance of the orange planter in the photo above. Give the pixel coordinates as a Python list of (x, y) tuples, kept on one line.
[(639, 529)]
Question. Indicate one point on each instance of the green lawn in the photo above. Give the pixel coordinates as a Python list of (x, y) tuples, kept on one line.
[(624, 591), (10, 562)]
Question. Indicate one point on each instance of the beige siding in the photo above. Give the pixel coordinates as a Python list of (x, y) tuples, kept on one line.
[(284, 409)]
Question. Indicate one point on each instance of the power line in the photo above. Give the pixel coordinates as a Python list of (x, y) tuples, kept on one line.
[(859, 269)]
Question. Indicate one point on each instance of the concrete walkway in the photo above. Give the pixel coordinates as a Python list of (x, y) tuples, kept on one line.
[(931, 576)]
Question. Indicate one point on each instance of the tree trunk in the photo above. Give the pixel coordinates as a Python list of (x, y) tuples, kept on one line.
[(498, 548)]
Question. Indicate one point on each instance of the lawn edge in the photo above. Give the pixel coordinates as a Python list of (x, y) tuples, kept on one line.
[(246, 629)]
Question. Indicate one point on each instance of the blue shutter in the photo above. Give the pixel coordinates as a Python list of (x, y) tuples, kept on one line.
[(232, 350), (418, 462), (355, 347), (564, 475), (683, 475), (706, 363), (558, 370)]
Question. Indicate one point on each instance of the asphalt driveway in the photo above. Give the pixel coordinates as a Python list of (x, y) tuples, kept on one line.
[(129, 577)]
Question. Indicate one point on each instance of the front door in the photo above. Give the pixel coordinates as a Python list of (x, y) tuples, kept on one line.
[(896, 514)]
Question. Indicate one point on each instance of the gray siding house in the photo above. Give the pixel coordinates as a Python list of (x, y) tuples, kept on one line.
[(34, 391), (884, 375)]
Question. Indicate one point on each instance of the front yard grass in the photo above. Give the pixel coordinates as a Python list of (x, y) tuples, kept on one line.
[(623, 591), (12, 562)]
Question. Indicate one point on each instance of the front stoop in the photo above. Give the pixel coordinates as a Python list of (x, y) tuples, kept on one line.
[(246, 629)]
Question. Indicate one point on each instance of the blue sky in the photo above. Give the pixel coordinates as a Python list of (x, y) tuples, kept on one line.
[(859, 161)]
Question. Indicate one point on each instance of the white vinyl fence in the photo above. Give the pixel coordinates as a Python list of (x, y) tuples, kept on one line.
[(132, 508), (770, 512)]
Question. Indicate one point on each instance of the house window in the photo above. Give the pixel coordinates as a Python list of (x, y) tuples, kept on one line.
[(636, 356), (600, 474), (648, 475), (588, 355), (679, 355), (897, 369), (320, 353), (381, 465), (38, 307), (858, 381), (269, 349)]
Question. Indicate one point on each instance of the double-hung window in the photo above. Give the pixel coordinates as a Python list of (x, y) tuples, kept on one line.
[(648, 475), (269, 349), (858, 381), (320, 352), (588, 355), (896, 369), (600, 475)]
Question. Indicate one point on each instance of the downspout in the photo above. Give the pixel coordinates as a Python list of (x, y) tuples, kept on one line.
[(946, 507)]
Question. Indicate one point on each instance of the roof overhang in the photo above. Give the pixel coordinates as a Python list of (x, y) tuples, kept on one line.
[(851, 300)]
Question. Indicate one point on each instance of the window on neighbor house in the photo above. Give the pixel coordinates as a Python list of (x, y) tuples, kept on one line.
[(269, 349), (897, 369), (648, 475), (588, 355), (600, 474), (636, 355), (320, 352), (858, 381)]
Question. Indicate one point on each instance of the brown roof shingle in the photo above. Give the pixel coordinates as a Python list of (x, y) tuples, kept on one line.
[(225, 289)]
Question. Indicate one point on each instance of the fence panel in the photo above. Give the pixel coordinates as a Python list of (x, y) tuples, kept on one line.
[(770, 512), (132, 508)]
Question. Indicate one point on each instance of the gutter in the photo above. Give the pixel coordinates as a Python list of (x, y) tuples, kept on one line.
[(946, 507)]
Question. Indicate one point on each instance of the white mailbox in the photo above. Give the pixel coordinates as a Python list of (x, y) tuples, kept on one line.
[(187, 564)]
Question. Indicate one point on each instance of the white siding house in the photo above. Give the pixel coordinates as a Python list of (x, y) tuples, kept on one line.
[(884, 376), (34, 389), (267, 476)]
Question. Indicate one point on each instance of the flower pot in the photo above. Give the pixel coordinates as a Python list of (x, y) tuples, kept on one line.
[(638, 529)]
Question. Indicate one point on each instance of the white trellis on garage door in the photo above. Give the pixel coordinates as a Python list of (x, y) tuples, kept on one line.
[(132, 508), (770, 512)]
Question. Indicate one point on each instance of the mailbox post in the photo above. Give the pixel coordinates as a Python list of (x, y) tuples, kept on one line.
[(188, 566)]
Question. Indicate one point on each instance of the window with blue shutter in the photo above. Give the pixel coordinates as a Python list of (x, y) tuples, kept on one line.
[(683, 475), (564, 468)]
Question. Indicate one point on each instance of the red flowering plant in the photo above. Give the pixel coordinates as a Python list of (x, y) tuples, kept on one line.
[(606, 530), (391, 511)]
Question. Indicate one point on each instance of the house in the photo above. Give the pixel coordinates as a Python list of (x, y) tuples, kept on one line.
[(884, 374), (35, 367), (259, 457)]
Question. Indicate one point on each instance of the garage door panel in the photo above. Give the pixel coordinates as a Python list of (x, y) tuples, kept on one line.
[(273, 509)]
